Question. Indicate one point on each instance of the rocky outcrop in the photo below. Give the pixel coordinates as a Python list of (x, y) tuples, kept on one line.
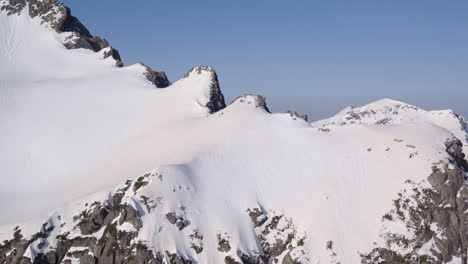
[(216, 98), (159, 79), (257, 100), (179, 221), (223, 242), (113, 246), (277, 237), (295, 115), (261, 102), (113, 53), (109, 231), (435, 217), (56, 15)]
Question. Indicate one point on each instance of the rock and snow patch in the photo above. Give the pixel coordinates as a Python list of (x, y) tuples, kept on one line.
[(233, 184), (391, 112)]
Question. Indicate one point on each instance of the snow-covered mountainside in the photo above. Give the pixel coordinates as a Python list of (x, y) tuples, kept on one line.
[(391, 112), (101, 165)]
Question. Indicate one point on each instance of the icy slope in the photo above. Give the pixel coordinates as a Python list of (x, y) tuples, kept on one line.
[(100, 166)]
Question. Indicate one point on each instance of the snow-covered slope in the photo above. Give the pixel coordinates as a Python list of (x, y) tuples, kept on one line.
[(391, 112), (101, 166)]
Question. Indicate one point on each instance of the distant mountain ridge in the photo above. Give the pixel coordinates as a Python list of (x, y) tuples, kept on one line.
[(391, 112)]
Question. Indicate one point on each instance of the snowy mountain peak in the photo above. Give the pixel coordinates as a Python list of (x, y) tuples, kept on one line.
[(200, 70), (256, 101), (55, 15), (381, 112), (162, 181), (387, 105), (216, 98), (387, 102), (391, 112)]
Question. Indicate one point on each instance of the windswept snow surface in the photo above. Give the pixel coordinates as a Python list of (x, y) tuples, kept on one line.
[(72, 125)]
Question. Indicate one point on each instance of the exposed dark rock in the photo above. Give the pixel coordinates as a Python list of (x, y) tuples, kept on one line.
[(115, 55), (280, 245), (289, 260), (150, 203), (172, 218), (384, 121), (216, 101), (58, 16), (159, 79), (230, 260), (261, 102), (115, 246), (98, 215), (257, 217), (196, 241), (260, 259), (223, 243), (118, 246), (295, 115), (277, 228), (455, 149), (436, 214), (130, 215), (141, 182), (182, 223), (179, 221), (174, 259)]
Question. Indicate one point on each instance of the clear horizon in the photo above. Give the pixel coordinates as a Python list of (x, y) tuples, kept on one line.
[(313, 57)]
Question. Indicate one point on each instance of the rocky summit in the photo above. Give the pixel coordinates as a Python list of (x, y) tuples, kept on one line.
[(99, 166)]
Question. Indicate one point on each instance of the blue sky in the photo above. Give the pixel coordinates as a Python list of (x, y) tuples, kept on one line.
[(313, 57)]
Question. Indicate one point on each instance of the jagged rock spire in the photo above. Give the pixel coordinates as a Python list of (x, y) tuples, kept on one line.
[(216, 100)]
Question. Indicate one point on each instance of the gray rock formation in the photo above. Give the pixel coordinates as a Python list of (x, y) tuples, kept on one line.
[(159, 79), (216, 101), (114, 246), (260, 101), (103, 241), (435, 217), (113, 53), (296, 115), (58, 16), (276, 236)]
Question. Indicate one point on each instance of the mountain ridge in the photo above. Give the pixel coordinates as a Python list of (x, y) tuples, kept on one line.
[(177, 176), (58, 16)]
